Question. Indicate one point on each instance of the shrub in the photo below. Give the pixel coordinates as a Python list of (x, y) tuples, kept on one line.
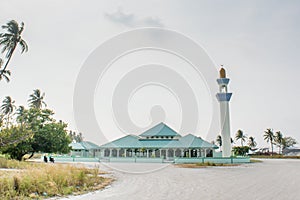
[(36, 180), (240, 150)]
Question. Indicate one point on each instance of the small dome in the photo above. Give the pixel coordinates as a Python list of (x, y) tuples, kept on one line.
[(222, 73)]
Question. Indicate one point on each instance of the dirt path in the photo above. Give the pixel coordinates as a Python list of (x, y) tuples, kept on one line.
[(272, 179)]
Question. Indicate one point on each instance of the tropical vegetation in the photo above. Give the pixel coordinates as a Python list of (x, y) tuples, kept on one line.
[(30, 130), (240, 136), (10, 39), (269, 137), (38, 181)]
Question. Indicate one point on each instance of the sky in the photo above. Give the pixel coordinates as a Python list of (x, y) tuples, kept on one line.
[(257, 42)]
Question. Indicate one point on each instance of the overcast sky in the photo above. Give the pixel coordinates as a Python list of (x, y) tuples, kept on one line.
[(257, 41)]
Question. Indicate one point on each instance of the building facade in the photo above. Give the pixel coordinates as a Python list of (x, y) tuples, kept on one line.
[(159, 142)]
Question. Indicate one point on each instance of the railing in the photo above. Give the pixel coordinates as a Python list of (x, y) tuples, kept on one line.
[(153, 160), (228, 160)]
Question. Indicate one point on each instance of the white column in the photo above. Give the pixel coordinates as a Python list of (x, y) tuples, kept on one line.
[(125, 152), (204, 152), (225, 131), (118, 152), (174, 150), (110, 152), (167, 153), (160, 153), (147, 153), (190, 155)]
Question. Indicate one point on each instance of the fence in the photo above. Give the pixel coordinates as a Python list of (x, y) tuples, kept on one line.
[(153, 160)]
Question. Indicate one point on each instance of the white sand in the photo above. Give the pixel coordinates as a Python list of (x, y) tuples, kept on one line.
[(272, 179)]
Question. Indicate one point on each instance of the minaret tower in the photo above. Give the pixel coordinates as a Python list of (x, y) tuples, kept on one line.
[(224, 97)]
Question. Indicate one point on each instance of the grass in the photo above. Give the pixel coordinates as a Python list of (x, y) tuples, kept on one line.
[(203, 165), (40, 180)]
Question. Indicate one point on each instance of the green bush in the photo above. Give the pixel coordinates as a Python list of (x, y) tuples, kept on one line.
[(240, 150)]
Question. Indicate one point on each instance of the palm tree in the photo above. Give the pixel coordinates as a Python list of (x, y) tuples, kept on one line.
[(7, 108), (36, 99), (20, 114), (4, 74), (269, 137), (251, 142), (279, 140), (240, 136), (219, 141), (11, 39)]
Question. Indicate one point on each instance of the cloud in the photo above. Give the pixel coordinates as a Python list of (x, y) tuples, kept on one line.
[(131, 20)]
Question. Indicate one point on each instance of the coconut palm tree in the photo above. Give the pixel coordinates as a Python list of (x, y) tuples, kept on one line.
[(7, 108), (11, 39), (36, 99), (269, 137), (20, 114), (4, 74), (219, 141), (251, 142), (278, 138), (240, 136)]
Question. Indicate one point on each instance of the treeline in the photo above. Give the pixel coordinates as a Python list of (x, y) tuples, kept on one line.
[(32, 129), (276, 139)]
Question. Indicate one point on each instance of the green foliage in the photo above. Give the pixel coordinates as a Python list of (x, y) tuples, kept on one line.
[(240, 136), (288, 142), (251, 142), (35, 129), (240, 150), (269, 137), (14, 134), (76, 137), (219, 140), (36, 99), (7, 109), (47, 134), (9, 40), (278, 138)]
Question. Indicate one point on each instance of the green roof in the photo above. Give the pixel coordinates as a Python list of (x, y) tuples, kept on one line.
[(160, 129), (76, 146), (135, 142), (89, 145), (158, 143), (192, 141), (128, 141), (84, 145)]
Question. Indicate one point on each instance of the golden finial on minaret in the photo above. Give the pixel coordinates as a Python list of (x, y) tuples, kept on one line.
[(222, 72)]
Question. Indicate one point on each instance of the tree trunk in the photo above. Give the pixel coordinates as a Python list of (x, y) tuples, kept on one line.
[(20, 156), (32, 153), (272, 148), (7, 122), (6, 64)]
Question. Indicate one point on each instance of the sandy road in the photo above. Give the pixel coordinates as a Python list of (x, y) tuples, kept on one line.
[(272, 179)]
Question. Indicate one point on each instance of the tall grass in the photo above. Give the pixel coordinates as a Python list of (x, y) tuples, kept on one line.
[(46, 180)]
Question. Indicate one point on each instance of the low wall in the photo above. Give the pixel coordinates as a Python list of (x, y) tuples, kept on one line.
[(75, 159), (153, 160), (132, 159), (213, 160)]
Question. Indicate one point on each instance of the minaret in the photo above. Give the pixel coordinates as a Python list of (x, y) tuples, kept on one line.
[(224, 97)]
